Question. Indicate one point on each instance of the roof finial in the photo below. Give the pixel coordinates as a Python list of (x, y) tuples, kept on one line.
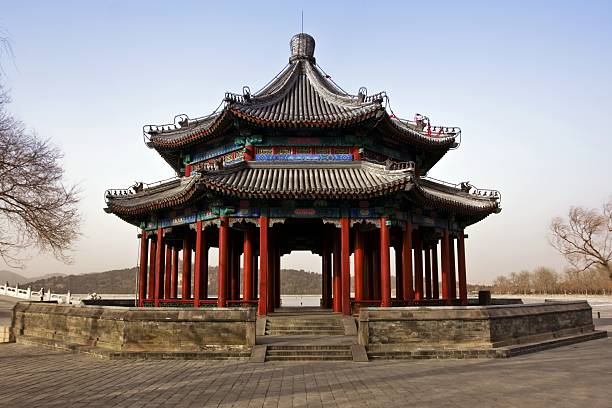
[(302, 47)]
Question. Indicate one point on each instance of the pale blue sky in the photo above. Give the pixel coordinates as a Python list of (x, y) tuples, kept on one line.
[(528, 83)]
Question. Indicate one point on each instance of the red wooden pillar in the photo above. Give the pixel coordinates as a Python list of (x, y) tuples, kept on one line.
[(223, 262), (337, 278), (247, 279), (418, 266), (453, 272), (399, 274), (175, 262), (385, 265), (186, 276), (444, 257), (262, 307), (434, 272), (407, 263), (159, 266), (151, 281), (168, 272), (198, 265), (346, 265), (461, 267), (142, 272), (358, 267), (427, 272)]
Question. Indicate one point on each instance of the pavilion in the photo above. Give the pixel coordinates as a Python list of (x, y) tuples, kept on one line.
[(302, 165)]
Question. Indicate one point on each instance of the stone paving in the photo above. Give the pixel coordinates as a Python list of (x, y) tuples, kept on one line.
[(574, 376)]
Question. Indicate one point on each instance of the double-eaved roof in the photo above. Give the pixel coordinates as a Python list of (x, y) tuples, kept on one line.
[(303, 97)]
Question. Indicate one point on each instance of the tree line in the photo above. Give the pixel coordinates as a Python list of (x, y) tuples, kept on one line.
[(543, 281)]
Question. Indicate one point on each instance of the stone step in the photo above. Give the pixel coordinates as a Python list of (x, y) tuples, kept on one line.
[(309, 352), (309, 347), (322, 357), (303, 323), (275, 327), (304, 332), (297, 352)]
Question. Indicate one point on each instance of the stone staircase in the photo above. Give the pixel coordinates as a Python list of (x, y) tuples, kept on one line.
[(305, 325), (301, 334)]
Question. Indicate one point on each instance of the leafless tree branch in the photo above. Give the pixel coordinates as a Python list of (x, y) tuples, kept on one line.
[(37, 209)]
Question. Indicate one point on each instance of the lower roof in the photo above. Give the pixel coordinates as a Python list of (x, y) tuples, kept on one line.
[(322, 180)]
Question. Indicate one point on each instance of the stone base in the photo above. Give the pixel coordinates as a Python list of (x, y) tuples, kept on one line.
[(473, 331), (375, 353), (142, 333)]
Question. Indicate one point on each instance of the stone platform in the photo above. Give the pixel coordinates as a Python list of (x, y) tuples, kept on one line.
[(116, 332), (473, 331)]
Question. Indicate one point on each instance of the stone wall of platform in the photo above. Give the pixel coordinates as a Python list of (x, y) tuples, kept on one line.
[(164, 330), (471, 327)]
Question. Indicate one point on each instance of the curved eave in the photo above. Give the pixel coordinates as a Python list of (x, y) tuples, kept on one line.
[(472, 208), (164, 196), (398, 130), (191, 134)]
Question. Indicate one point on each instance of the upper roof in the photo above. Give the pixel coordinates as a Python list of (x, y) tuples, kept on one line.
[(302, 95)]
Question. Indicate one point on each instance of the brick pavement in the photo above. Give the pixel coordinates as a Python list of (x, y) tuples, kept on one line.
[(574, 376)]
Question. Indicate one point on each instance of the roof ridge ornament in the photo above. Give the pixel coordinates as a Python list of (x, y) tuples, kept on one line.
[(302, 46)]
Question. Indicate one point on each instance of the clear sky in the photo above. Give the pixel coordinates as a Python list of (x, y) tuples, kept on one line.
[(528, 82)]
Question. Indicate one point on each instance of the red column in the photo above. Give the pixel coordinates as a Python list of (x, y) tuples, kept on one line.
[(151, 281), (168, 272), (337, 278), (367, 265), (444, 257), (247, 256), (418, 266), (407, 263), (453, 273), (262, 307), (385, 265), (255, 281), (427, 272), (399, 274), (175, 262), (434, 272), (223, 263), (159, 266), (198, 265), (461, 267), (186, 276), (358, 261), (142, 273), (346, 265)]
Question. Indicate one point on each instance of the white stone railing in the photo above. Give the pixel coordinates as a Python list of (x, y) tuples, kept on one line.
[(29, 294)]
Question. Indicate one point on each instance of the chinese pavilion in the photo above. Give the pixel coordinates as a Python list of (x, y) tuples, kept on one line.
[(302, 165)]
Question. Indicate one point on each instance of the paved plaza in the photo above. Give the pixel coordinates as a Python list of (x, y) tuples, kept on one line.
[(579, 375), (572, 376)]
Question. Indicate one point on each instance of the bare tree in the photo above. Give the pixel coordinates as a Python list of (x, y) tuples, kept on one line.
[(585, 238), (37, 210)]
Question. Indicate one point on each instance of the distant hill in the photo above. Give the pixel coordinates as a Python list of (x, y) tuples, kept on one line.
[(12, 278), (123, 281)]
